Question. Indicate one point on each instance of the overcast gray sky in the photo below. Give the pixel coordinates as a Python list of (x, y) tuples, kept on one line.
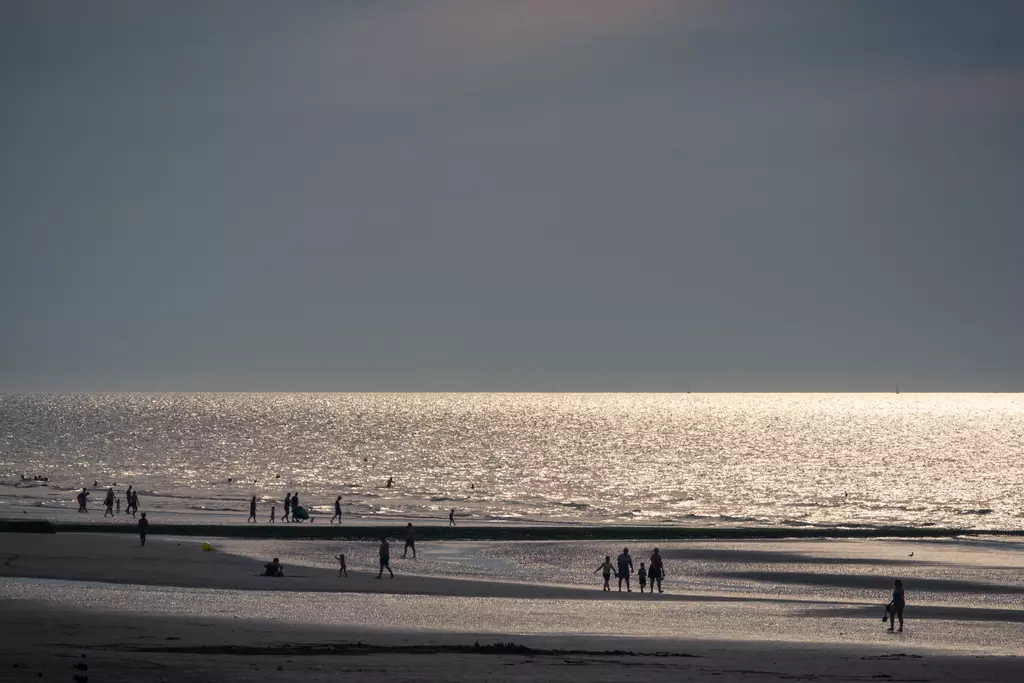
[(512, 195)]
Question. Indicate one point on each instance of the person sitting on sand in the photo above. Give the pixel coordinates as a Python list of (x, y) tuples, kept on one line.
[(657, 570), (385, 558), (895, 608), (606, 570), (641, 577), (273, 568), (342, 569)]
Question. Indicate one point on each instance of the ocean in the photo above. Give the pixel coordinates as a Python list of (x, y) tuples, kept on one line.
[(856, 460)]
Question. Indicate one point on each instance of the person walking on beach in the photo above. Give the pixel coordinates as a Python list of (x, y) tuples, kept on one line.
[(385, 558), (410, 541), (895, 608), (342, 569), (252, 510), (135, 503), (337, 510), (273, 511), (606, 571), (641, 577), (295, 503), (657, 570), (83, 500), (108, 503), (128, 500), (287, 507), (451, 518), (625, 563), (143, 528)]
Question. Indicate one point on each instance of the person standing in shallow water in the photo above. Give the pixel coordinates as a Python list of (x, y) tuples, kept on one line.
[(606, 571), (895, 608), (252, 510), (410, 541), (143, 528), (287, 507), (337, 510), (385, 558), (625, 569), (657, 570)]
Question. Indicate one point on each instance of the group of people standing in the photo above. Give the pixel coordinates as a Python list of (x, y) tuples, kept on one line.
[(293, 511), (655, 573), (110, 501)]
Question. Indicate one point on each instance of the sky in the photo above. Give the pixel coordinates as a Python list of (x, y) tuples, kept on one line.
[(512, 195)]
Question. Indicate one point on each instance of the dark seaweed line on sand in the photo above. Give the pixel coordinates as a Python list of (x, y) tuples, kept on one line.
[(499, 533), (363, 649)]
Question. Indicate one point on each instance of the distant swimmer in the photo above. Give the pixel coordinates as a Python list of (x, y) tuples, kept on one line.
[(451, 518), (410, 541), (83, 500), (472, 486), (252, 510), (287, 507), (641, 577), (337, 510), (143, 528), (108, 503), (389, 483), (273, 568), (96, 483), (625, 569), (657, 570), (894, 609), (342, 569), (385, 558), (606, 570)]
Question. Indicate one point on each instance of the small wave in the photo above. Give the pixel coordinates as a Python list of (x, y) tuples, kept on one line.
[(210, 508), (979, 511), (574, 506)]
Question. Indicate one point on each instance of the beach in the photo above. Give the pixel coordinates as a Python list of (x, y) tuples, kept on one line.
[(758, 609)]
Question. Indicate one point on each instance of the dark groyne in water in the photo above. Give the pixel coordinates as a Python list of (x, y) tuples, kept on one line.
[(499, 533)]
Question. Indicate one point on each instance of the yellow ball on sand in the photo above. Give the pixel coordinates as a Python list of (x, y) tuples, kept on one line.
[(207, 547)]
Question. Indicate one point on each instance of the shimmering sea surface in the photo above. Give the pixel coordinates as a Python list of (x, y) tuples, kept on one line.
[(769, 459)]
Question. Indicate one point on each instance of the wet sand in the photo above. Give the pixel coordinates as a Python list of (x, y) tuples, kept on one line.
[(172, 612)]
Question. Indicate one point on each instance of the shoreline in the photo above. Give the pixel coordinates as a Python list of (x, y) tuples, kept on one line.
[(493, 532)]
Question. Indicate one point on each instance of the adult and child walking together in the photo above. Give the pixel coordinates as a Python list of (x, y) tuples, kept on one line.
[(623, 568)]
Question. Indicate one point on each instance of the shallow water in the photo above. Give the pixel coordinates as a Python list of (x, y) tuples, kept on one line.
[(773, 459)]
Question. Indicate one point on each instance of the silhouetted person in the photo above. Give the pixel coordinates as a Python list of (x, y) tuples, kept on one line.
[(606, 571), (108, 503), (118, 501), (385, 558), (410, 541), (295, 503), (451, 518), (641, 577), (342, 569), (135, 503), (252, 510), (128, 500), (390, 482), (273, 568), (337, 510), (895, 608), (273, 512), (83, 500), (143, 528), (287, 507), (625, 563), (657, 570)]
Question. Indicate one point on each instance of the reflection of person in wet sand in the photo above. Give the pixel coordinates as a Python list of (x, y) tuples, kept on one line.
[(606, 570), (385, 558), (273, 568)]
